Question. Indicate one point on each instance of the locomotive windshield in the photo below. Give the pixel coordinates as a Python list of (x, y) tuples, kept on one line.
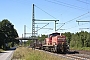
[(54, 34), (50, 35)]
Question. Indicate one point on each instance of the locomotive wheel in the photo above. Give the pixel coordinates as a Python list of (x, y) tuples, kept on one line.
[(49, 49), (54, 48), (58, 50)]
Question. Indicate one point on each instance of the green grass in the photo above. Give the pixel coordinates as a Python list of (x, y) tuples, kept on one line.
[(81, 48), (29, 54), (1, 50)]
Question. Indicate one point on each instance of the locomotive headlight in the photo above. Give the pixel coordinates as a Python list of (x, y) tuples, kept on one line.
[(58, 38)]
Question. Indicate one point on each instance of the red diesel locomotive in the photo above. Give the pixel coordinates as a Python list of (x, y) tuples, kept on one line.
[(56, 43)]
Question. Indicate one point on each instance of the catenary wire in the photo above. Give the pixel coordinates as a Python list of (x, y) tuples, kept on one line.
[(66, 5), (76, 26), (69, 4), (45, 12), (83, 2), (73, 19)]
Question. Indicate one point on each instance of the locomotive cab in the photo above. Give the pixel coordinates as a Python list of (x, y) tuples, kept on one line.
[(60, 42), (56, 43)]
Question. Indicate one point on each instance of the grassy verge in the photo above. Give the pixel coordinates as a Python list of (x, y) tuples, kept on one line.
[(81, 48), (29, 54), (1, 50)]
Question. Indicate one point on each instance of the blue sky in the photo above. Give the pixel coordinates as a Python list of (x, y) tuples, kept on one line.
[(19, 13)]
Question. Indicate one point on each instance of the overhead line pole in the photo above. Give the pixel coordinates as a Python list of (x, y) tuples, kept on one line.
[(40, 23), (24, 30), (81, 21), (48, 20), (33, 23), (84, 28)]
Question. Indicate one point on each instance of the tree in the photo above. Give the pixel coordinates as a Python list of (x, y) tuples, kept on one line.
[(8, 32), (73, 41), (42, 38), (68, 36)]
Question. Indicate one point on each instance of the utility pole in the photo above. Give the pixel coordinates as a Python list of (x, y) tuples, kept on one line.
[(49, 20), (55, 26), (24, 30)]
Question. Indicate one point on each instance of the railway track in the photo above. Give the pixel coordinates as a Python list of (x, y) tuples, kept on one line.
[(71, 55), (74, 56), (78, 56)]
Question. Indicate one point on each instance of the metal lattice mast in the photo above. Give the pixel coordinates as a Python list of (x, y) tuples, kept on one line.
[(33, 23)]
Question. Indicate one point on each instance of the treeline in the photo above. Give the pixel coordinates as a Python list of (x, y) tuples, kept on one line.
[(7, 34), (79, 39), (75, 40)]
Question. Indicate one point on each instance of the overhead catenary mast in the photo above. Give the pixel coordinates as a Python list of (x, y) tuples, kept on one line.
[(33, 22)]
